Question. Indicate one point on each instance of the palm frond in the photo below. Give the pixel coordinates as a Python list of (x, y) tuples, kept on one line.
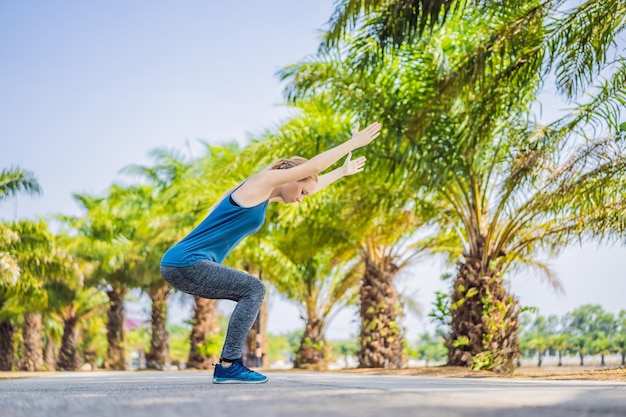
[(583, 196), (393, 22), (16, 180), (603, 110), (581, 43)]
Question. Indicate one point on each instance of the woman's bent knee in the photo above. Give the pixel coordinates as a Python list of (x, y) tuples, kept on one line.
[(258, 289)]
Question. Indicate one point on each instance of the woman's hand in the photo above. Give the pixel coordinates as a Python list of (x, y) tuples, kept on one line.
[(351, 167), (365, 136)]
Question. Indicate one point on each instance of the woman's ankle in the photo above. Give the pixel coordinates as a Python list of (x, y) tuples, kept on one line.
[(226, 363)]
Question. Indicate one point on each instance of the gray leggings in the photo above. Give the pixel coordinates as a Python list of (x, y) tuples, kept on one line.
[(215, 281)]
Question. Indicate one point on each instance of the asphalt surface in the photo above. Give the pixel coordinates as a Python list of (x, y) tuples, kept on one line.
[(189, 393)]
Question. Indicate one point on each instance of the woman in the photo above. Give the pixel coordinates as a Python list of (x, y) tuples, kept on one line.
[(194, 266)]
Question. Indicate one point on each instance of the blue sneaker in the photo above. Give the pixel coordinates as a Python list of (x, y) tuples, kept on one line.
[(237, 373)]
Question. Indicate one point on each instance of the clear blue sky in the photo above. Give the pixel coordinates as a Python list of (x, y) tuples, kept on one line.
[(87, 88)]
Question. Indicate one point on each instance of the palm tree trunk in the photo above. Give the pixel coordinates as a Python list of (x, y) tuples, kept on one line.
[(6, 345), (623, 358), (257, 343), (158, 357), (205, 325), (115, 330), (49, 353), (33, 351), (312, 351), (380, 339), (484, 320), (69, 360)]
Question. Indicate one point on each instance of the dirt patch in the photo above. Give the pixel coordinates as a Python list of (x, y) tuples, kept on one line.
[(24, 374), (567, 374)]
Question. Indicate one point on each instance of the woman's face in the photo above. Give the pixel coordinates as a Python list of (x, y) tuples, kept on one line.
[(294, 192)]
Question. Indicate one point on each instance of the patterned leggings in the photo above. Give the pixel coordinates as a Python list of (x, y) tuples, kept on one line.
[(215, 281)]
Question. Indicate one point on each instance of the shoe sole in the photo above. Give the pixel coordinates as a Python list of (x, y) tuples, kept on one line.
[(236, 381)]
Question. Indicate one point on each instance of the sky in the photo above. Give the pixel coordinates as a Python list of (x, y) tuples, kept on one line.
[(87, 88)]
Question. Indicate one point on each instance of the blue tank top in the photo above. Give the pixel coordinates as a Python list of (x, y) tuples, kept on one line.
[(224, 227)]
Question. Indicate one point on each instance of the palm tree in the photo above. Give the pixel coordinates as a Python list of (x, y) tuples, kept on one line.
[(72, 306), (105, 242), (382, 228), (204, 330), (53, 333), (522, 203), (142, 205), (321, 275), (388, 244), (158, 356), (93, 343), (559, 216)]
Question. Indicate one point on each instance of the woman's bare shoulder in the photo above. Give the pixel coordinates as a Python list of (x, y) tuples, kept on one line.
[(253, 191)]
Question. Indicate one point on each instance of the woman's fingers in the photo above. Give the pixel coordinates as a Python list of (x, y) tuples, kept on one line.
[(372, 131), (374, 127), (359, 163), (366, 135)]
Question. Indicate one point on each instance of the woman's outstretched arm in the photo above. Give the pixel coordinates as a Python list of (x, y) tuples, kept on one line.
[(259, 187)]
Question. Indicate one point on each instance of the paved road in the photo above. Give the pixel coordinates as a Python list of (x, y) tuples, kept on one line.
[(178, 394)]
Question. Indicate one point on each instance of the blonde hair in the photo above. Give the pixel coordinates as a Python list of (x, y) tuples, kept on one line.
[(294, 161)]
